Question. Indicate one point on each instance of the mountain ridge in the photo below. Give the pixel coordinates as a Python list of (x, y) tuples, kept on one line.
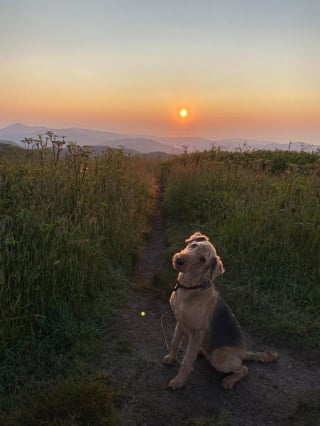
[(146, 144)]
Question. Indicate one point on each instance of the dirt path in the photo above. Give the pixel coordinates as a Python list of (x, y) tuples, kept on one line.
[(285, 393)]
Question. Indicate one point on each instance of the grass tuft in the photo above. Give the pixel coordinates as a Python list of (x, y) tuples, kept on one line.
[(75, 402)]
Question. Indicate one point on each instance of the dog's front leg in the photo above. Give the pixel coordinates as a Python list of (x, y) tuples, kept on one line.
[(175, 343), (195, 340)]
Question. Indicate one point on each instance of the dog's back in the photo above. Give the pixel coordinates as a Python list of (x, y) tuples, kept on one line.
[(224, 329)]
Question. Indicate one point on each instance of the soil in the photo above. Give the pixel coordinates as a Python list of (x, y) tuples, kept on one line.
[(284, 393)]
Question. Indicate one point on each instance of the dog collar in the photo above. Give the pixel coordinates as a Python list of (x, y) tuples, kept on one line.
[(206, 284)]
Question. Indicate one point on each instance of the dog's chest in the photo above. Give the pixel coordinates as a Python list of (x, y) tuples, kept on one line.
[(192, 311)]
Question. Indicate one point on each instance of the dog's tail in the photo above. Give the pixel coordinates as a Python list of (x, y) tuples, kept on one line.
[(264, 357)]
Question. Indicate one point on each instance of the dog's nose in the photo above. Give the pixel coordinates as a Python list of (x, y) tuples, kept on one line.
[(180, 261)]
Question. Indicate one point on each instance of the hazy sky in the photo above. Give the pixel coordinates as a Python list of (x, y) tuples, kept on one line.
[(243, 68)]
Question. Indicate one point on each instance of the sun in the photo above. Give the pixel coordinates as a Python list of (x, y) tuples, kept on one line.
[(183, 113)]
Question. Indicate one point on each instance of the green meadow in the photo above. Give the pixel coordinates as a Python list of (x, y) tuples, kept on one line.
[(72, 225), (262, 212)]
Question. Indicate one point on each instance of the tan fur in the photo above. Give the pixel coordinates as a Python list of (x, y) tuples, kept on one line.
[(194, 308)]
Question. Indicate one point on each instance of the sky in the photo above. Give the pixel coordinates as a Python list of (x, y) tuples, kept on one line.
[(242, 68)]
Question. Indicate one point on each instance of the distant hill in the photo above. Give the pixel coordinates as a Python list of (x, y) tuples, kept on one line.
[(4, 142), (146, 144), (237, 144), (9, 148), (189, 143), (16, 132), (143, 145)]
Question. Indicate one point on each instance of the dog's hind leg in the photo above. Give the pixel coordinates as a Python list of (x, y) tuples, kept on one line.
[(228, 359), (264, 357), (231, 379)]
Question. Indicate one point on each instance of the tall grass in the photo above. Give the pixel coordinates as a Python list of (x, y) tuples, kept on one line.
[(70, 230), (72, 225), (262, 212)]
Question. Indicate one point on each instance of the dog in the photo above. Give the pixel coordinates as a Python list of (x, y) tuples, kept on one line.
[(206, 319)]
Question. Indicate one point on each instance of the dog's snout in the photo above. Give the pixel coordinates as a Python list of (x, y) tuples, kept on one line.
[(180, 260)]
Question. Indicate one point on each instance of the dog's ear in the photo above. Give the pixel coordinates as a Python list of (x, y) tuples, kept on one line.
[(197, 236), (217, 267)]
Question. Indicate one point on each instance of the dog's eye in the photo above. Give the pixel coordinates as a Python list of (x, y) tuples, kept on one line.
[(193, 245), (202, 259)]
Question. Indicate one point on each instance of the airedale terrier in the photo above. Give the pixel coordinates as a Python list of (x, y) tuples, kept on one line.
[(202, 315)]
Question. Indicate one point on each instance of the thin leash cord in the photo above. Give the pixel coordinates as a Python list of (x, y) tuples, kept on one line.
[(162, 330), (201, 373), (164, 335)]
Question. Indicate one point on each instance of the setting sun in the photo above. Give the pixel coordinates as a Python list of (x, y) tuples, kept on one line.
[(183, 113)]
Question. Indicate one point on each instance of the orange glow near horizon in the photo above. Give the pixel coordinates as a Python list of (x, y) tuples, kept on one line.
[(234, 113), (213, 121)]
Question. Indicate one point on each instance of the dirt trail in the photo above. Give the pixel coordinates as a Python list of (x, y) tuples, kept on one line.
[(285, 393)]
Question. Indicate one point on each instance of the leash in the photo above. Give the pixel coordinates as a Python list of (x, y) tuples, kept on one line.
[(164, 335), (205, 285), (201, 373), (162, 330)]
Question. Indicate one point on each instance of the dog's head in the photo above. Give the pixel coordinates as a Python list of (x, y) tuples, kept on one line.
[(199, 257)]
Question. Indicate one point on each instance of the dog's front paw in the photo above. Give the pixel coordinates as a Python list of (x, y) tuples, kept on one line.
[(176, 383), (168, 359), (228, 382)]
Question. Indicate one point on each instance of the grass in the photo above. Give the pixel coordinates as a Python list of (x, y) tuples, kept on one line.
[(262, 212), (69, 402), (71, 227)]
